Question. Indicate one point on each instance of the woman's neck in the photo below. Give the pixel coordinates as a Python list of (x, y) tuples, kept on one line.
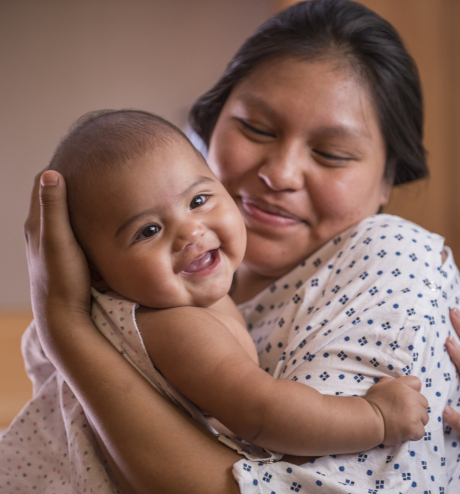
[(247, 284)]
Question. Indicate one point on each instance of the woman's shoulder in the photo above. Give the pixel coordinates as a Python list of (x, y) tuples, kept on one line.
[(397, 246), (382, 238), (390, 223), (403, 237)]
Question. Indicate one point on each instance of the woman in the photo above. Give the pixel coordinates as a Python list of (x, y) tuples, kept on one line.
[(315, 119)]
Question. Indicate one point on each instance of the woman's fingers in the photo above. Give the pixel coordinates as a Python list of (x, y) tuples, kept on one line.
[(452, 418), (452, 345), (58, 268), (455, 319), (32, 223), (453, 348), (54, 218)]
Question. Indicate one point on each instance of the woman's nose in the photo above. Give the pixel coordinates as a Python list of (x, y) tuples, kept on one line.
[(188, 233), (284, 171)]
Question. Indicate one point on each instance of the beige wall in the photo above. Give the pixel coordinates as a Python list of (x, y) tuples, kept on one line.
[(15, 387), (430, 29), (61, 58)]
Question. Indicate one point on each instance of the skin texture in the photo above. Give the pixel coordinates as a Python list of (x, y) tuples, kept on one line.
[(298, 146), (147, 457), (452, 347), (157, 223), (92, 367), (163, 232)]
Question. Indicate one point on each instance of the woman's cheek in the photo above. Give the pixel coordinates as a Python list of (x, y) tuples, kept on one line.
[(232, 158)]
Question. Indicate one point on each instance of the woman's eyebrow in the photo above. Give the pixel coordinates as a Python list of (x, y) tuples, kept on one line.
[(196, 183), (258, 103), (341, 130)]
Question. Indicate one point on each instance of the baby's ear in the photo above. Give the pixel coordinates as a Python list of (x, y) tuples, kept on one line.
[(97, 281)]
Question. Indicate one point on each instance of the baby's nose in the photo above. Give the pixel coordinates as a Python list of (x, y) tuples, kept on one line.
[(188, 234)]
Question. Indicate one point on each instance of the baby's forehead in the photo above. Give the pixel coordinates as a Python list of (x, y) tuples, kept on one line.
[(170, 172)]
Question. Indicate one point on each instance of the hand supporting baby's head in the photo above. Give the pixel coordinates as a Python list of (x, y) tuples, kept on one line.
[(99, 144)]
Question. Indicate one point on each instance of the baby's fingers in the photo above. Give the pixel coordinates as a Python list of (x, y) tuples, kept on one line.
[(418, 432), (411, 381)]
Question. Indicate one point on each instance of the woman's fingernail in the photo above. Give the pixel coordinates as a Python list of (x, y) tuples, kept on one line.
[(49, 179), (455, 312), (447, 412), (451, 341)]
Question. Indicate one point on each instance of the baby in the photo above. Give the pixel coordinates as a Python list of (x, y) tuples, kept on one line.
[(160, 230)]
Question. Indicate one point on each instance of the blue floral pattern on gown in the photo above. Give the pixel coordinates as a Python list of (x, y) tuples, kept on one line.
[(372, 302)]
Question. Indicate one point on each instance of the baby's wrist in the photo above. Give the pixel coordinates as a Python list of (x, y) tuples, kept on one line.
[(378, 422)]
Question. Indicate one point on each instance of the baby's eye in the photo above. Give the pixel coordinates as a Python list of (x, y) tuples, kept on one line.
[(198, 201), (148, 231)]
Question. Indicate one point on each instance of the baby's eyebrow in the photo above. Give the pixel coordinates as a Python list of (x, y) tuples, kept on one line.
[(199, 181), (196, 183)]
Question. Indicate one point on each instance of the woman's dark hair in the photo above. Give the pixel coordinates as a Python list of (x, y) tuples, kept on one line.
[(346, 31)]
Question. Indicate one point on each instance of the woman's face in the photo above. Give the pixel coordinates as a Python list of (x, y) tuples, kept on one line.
[(299, 148)]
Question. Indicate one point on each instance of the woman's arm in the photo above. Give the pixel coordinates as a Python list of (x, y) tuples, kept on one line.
[(450, 415), (150, 444)]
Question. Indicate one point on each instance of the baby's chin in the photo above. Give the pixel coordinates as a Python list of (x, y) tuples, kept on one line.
[(206, 297), (101, 286), (195, 300)]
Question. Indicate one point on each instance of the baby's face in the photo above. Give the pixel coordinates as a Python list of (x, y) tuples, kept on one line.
[(165, 232)]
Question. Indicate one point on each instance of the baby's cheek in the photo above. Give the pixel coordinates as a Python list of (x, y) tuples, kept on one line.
[(234, 231)]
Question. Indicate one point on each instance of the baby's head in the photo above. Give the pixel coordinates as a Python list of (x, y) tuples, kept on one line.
[(154, 222)]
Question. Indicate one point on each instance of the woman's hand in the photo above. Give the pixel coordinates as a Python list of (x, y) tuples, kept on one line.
[(157, 441), (453, 348), (59, 275)]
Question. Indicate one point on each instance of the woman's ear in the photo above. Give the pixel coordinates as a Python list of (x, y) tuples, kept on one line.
[(385, 195), (387, 183), (97, 281)]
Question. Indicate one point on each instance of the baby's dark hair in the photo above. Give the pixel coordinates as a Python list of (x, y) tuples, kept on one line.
[(100, 142)]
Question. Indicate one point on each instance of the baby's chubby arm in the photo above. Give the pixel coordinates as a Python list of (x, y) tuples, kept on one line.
[(202, 359)]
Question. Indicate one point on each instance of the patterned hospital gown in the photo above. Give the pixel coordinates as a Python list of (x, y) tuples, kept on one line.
[(373, 302)]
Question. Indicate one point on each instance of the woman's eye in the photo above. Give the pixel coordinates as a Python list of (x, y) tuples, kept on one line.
[(198, 201), (331, 157), (148, 231), (255, 130)]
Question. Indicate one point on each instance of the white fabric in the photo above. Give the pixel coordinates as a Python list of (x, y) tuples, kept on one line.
[(373, 302), (50, 447), (313, 326), (114, 316)]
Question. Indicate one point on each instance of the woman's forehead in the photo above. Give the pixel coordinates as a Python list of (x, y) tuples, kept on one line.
[(281, 74), (292, 91)]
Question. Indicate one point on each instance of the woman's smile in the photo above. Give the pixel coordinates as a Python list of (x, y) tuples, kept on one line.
[(297, 186), (269, 214)]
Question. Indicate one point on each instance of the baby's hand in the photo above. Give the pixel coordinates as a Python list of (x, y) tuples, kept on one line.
[(402, 407)]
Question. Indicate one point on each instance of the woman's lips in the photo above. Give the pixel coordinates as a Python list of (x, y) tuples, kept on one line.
[(269, 214), (204, 263)]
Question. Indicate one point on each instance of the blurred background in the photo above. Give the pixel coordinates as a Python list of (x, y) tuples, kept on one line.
[(62, 58)]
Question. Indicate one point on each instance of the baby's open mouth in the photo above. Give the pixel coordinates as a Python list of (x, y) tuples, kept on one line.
[(201, 262)]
